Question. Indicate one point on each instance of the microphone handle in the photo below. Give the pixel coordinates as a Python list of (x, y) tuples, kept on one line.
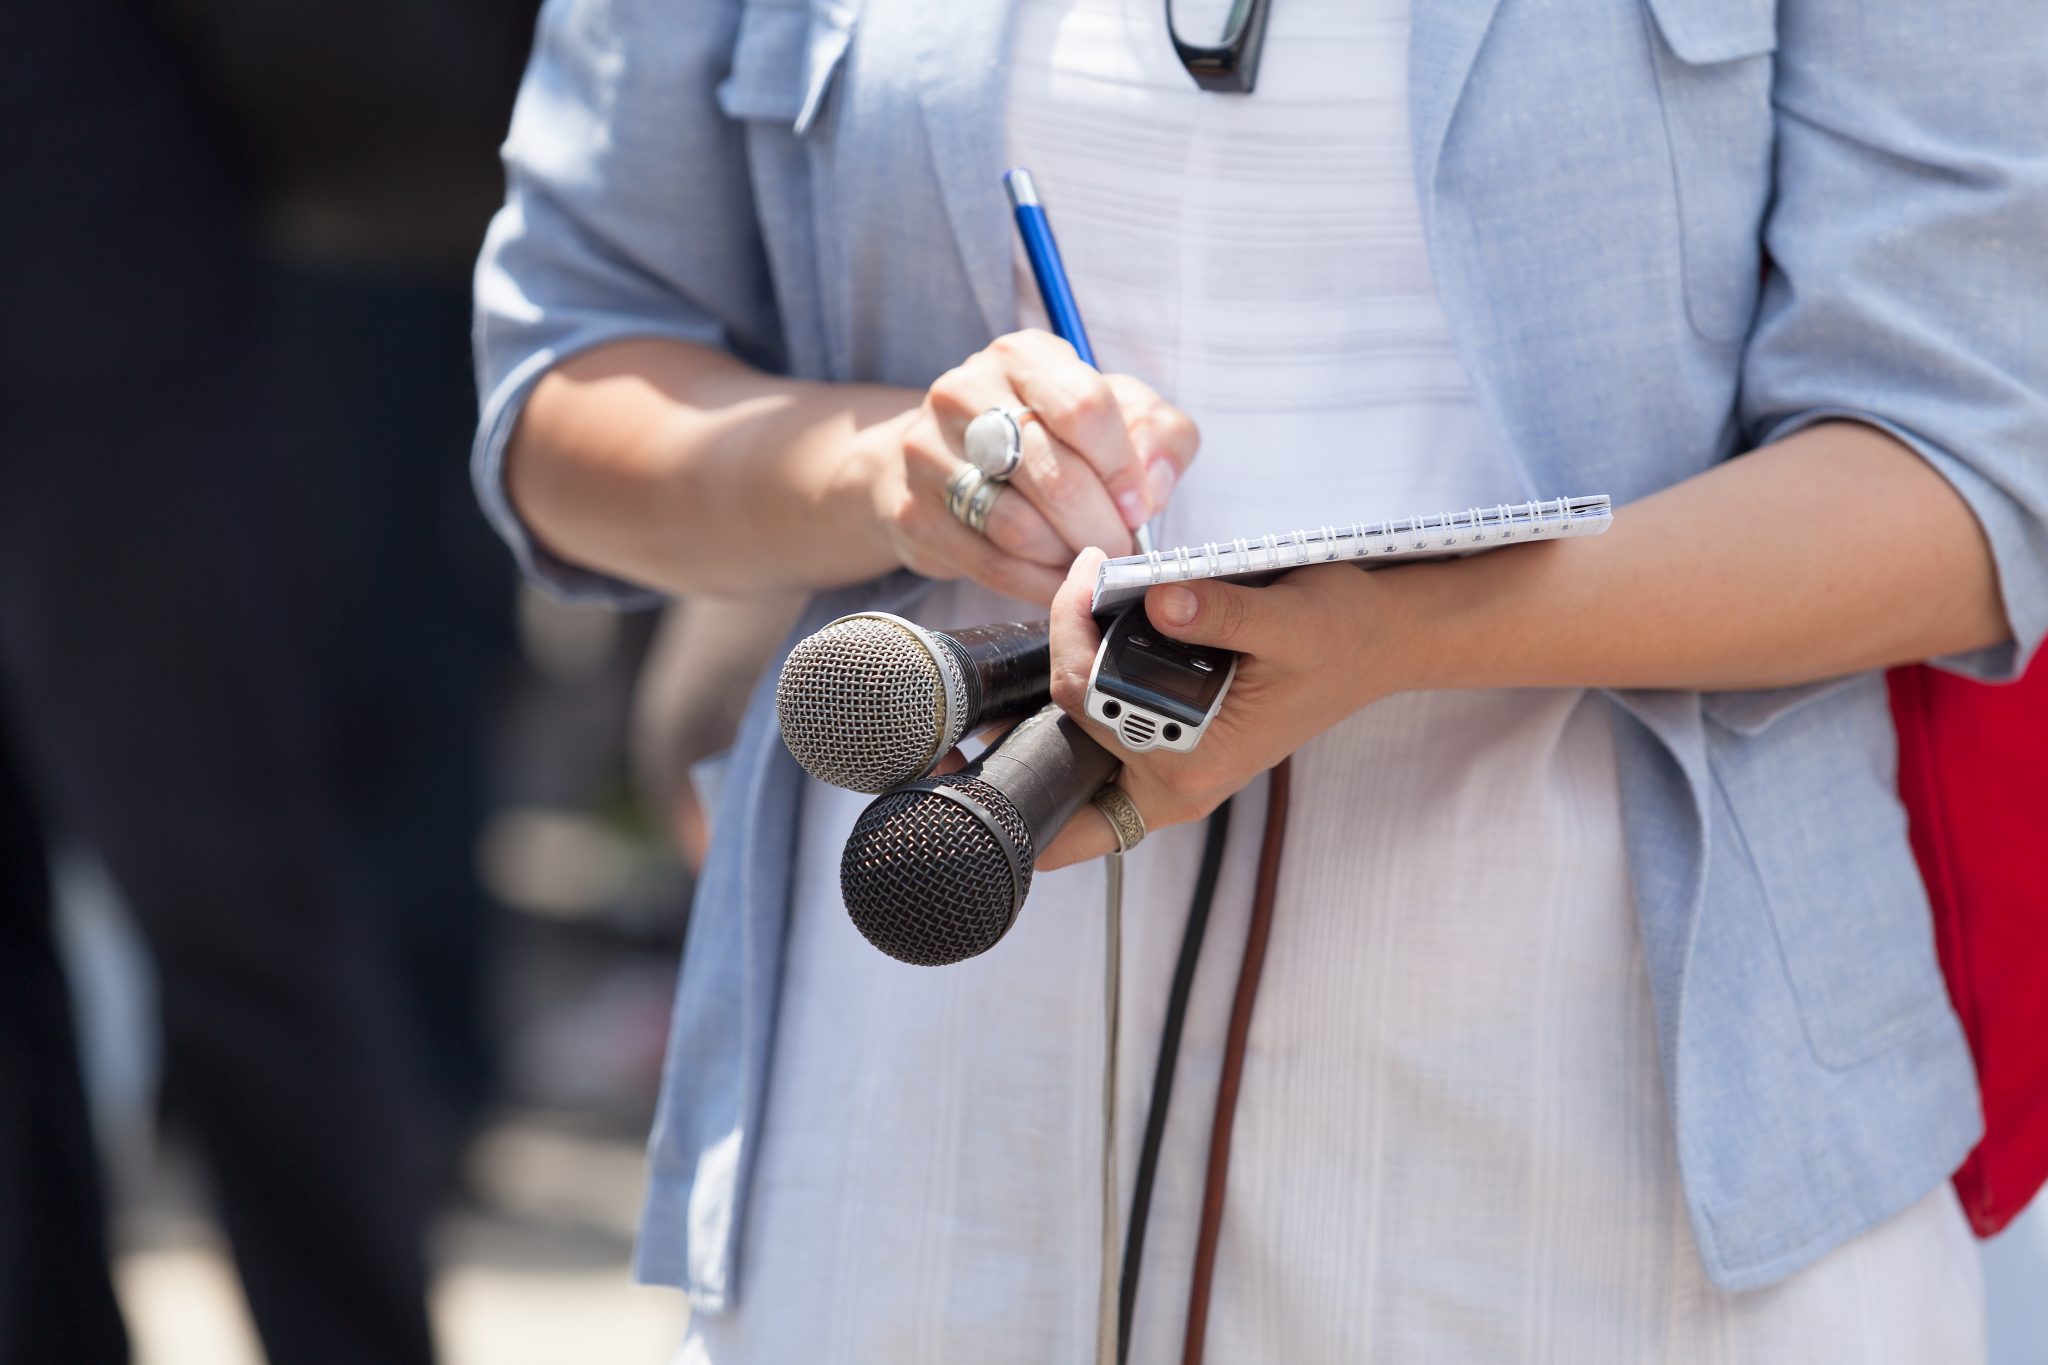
[(1048, 767), (1009, 667)]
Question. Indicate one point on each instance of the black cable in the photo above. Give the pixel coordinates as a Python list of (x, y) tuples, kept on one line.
[(1162, 1074)]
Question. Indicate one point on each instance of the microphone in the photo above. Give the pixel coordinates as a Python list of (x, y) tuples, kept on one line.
[(936, 870), (873, 700)]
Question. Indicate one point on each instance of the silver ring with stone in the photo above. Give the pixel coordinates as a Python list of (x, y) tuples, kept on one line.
[(995, 441), (1122, 813)]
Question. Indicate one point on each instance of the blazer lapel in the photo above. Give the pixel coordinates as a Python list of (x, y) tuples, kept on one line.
[(962, 82), (1443, 39)]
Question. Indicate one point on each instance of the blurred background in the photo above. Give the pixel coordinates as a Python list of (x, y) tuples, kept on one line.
[(342, 880), (322, 842)]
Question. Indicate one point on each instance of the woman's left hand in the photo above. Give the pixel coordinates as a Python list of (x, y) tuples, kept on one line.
[(1314, 647)]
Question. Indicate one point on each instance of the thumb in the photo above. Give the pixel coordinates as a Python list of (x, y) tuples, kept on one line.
[(1225, 615)]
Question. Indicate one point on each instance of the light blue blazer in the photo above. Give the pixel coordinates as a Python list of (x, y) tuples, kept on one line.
[(813, 184)]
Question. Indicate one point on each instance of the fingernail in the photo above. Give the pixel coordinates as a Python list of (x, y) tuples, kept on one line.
[(1133, 507), (1176, 606), (1159, 482)]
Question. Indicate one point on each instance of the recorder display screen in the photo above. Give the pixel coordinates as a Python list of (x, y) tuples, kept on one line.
[(1159, 671), (1150, 670)]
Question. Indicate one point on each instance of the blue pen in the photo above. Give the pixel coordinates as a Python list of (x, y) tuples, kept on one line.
[(1051, 273), (1046, 266)]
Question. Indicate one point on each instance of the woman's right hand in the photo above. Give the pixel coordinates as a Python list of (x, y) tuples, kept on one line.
[(1100, 459)]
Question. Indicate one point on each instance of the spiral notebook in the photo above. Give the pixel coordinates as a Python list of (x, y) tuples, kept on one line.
[(1448, 533)]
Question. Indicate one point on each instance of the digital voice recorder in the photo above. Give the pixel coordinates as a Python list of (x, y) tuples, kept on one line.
[(1154, 691)]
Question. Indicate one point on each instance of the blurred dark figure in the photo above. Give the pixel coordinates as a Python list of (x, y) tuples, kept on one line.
[(247, 617), (699, 671)]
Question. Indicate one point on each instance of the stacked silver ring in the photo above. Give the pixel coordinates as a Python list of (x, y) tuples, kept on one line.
[(970, 496)]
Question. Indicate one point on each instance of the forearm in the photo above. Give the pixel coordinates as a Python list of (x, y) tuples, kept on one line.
[(1833, 551), (678, 467), (1830, 552)]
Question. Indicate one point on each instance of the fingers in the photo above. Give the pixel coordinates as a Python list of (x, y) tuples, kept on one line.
[(1014, 526), (1057, 482), (1074, 639), (1167, 789), (1073, 636), (1018, 528), (1086, 836), (989, 566), (932, 543), (1080, 411), (1101, 458), (1160, 802), (1165, 437), (1070, 494)]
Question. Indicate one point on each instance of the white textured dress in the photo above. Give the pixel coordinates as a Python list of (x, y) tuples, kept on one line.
[(1452, 1143)]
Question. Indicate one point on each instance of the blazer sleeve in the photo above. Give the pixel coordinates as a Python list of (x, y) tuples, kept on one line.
[(1908, 237), (628, 213)]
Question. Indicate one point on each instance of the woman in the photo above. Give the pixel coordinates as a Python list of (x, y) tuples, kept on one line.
[(1601, 1019)]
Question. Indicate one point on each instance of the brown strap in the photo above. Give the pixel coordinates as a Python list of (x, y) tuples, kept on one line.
[(1233, 1062)]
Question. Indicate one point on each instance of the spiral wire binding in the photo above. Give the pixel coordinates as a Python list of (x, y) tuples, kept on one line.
[(1443, 532)]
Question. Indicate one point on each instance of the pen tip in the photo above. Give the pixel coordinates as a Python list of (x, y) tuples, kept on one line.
[(1017, 180)]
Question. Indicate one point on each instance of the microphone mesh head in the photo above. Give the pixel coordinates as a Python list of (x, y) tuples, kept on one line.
[(926, 881), (861, 704)]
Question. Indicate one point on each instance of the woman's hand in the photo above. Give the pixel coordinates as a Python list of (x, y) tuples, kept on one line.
[(1315, 645), (1100, 459), (679, 467)]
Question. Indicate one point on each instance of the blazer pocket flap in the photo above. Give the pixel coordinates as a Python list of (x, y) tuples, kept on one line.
[(783, 61), (1814, 811), (1751, 713), (1701, 32)]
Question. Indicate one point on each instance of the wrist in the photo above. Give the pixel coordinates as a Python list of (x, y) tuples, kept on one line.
[(860, 487), (1502, 619), (1419, 638)]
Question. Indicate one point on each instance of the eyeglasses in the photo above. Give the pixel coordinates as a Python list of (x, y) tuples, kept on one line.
[(1231, 66)]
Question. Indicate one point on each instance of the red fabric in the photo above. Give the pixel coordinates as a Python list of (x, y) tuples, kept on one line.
[(1973, 772)]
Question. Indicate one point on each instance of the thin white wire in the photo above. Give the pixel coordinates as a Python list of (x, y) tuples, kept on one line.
[(1112, 981)]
